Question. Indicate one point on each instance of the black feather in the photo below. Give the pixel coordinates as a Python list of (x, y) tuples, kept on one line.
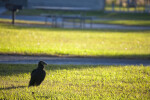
[(38, 75)]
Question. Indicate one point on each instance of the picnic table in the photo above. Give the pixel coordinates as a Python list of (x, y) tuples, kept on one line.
[(78, 18)]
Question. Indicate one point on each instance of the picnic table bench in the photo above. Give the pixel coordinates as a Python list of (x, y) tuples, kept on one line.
[(81, 19)]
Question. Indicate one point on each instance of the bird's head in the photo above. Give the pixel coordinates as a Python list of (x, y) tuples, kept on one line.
[(41, 64)]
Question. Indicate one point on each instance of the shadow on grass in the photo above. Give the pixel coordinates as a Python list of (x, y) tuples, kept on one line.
[(13, 87), (16, 69), (61, 54), (34, 27)]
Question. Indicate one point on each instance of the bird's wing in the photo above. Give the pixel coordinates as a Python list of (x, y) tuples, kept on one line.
[(43, 74), (33, 72), (32, 80)]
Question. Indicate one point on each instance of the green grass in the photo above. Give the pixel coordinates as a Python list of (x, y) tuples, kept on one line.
[(109, 21), (124, 22), (138, 19), (74, 42), (119, 22), (76, 82), (109, 8), (22, 22)]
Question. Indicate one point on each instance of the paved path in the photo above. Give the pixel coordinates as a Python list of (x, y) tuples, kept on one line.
[(10, 59), (2, 9), (70, 25)]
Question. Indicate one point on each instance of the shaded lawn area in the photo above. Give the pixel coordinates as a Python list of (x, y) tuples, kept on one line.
[(74, 42), (100, 14), (76, 82), (133, 19)]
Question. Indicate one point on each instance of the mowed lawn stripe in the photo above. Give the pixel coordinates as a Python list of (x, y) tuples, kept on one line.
[(109, 43), (76, 82)]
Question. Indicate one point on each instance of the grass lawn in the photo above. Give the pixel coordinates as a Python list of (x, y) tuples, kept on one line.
[(74, 42), (125, 9), (76, 82), (6, 21), (137, 19), (124, 22)]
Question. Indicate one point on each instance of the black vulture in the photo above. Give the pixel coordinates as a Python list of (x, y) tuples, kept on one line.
[(38, 75)]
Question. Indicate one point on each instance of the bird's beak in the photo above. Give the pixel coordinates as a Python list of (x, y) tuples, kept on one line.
[(42, 63), (45, 63)]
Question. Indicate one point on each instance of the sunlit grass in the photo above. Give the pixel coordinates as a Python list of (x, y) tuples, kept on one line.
[(108, 43), (124, 22), (76, 82), (109, 21), (22, 22), (109, 8), (119, 22)]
